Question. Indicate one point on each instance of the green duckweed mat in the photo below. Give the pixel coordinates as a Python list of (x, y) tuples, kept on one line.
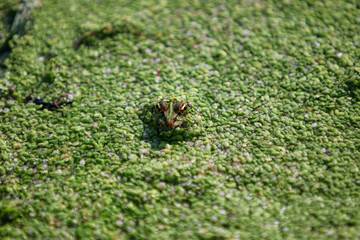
[(275, 85)]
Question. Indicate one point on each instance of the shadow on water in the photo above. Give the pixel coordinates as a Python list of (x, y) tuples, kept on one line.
[(150, 135), (154, 137)]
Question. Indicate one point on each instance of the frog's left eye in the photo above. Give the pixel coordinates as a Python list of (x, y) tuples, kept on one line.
[(181, 108), (184, 107)]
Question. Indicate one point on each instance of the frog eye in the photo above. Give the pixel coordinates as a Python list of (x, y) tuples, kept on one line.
[(184, 107), (181, 108), (161, 106)]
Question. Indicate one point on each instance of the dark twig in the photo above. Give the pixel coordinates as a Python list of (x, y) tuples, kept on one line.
[(51, 106)]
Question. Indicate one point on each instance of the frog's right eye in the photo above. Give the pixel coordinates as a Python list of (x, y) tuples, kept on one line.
[(162, 106), (157, 107)]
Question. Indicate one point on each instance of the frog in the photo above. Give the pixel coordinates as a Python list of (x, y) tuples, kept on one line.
[(171, 118), (172, 113)]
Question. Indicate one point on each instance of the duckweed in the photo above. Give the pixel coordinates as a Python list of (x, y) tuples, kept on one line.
[(272, 151)]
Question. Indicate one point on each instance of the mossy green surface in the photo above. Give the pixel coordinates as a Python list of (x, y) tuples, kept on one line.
[(277, 87)]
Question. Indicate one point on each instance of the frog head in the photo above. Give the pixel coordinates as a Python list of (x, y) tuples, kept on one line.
[(172, 113)]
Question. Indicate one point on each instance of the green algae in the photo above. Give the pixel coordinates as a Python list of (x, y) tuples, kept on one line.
[(275, 84)]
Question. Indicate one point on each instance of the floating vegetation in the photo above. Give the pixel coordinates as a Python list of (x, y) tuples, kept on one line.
[(262, 140)]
